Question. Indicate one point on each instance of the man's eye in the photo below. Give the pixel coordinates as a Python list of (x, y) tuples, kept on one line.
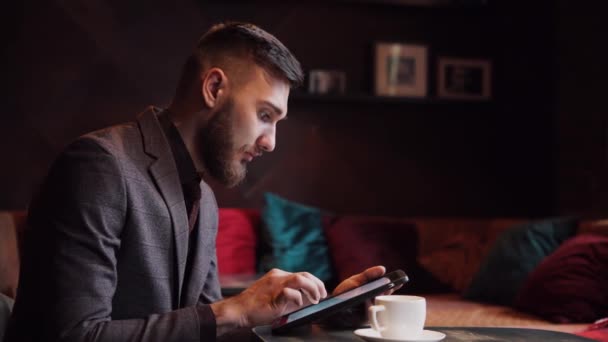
[(265, 116)]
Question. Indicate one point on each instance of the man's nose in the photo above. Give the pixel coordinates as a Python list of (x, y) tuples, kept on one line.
[(267, 141)]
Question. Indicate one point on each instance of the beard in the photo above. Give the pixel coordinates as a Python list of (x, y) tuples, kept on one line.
[(217, 145)]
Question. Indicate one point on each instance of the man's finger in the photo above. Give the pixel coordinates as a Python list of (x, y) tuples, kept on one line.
[(360, 279), (320, 285), (374, 272), (368, 275), (299, 281), (275, 272), (289, 295), (309, 297)]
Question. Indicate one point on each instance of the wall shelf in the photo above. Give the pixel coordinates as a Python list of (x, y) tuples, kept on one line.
[(424, 3), (298, 97)]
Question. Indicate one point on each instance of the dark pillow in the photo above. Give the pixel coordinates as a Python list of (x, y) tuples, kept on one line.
[(515, 253), (236, 243), (570, 285), (295, 235), (358, 242)]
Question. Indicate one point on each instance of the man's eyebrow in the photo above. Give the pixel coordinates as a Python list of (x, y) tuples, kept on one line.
[(277, 111)]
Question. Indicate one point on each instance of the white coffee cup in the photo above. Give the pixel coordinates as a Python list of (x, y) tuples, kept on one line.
[(398, 317)]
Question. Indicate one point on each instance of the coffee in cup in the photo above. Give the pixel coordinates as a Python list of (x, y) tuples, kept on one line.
[(398, 317)]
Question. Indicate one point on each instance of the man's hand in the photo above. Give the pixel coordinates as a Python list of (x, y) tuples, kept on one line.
[(355, 316), (363, 278), (275, 294), (278, 293)]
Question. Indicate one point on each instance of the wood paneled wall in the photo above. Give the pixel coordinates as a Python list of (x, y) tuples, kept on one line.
[(582, 112), (82, 66)]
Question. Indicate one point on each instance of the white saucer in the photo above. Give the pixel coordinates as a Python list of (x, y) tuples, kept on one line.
[(372, 335)]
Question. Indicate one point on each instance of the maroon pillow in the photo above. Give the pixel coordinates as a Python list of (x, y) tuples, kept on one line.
[(358, 242), (237, 241), (570, 285)]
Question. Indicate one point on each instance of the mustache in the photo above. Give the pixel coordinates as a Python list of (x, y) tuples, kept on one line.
[(256, 151)]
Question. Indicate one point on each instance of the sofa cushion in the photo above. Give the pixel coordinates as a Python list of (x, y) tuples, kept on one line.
[(570, 285), (450, 310), (359, 242), (457, 261), (295, 235), (12, 224), (516, 252), (453, 249), (237, 240), (597, 331), (600, 335), (598, 227)]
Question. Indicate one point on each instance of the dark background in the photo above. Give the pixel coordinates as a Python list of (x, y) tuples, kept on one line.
[(539, 148)]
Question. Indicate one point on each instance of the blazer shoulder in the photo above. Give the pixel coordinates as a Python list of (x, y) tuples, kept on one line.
[(119, 139)]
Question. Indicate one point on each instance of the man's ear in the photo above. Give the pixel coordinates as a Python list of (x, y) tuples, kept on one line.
[(213, 84)]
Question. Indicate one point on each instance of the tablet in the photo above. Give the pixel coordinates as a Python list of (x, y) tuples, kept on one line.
[(333, 304)]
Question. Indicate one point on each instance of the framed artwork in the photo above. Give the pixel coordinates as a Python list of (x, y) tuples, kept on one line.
[(326, 81), (464, 79), (401, 70)]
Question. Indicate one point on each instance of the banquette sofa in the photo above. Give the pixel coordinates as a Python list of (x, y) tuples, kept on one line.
[(546, 273)]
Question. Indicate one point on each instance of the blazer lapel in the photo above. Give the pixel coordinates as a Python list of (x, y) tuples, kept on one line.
[(164, 173), (204, 250)]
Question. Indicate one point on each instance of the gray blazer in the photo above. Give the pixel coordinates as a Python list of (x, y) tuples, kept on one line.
[(104, 257), (6, 305)]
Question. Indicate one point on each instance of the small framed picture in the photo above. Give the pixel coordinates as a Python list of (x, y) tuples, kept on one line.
[(401, 70), (326, 82), (464, 79)]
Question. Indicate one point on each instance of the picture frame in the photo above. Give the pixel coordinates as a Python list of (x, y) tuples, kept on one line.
[(401, 70), (326, 82), (464, 79)]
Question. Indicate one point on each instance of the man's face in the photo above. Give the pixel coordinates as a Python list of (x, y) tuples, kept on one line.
[(244, 126)]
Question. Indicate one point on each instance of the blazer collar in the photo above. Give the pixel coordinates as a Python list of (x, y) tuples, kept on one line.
[(155, 142)]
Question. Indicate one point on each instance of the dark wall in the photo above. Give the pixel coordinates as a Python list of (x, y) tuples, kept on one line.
[(581, 106), (82, 66)]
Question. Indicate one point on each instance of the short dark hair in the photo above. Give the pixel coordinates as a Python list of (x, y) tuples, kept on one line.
[(243, 39)]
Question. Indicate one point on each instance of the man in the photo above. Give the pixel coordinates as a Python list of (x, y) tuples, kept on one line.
[(121, 239)]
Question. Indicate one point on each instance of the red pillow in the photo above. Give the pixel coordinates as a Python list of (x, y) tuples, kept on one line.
[(358, 242), (597, 331), (237, 240), (570, 285)]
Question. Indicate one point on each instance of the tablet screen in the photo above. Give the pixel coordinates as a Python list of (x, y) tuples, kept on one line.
[(331, 301)]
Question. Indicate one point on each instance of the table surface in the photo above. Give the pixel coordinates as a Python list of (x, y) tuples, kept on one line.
[(453, 334)]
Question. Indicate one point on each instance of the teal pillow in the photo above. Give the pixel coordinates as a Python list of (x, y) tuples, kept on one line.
[(294, 233), (516, 252)]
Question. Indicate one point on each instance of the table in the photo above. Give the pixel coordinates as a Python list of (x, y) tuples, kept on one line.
[(453, 334)]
